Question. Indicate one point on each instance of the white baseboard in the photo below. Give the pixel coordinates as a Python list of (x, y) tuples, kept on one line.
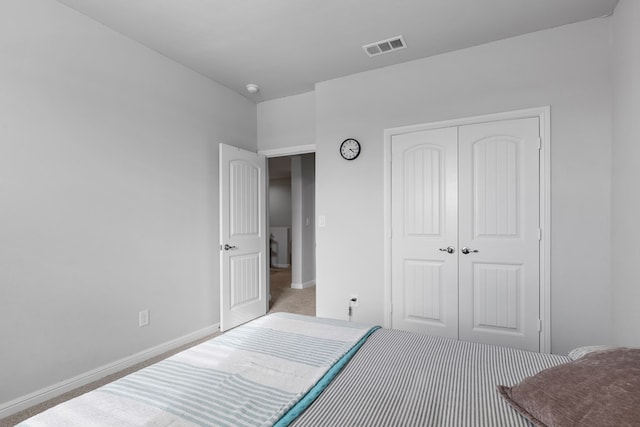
[(304, 285), (44, 394)]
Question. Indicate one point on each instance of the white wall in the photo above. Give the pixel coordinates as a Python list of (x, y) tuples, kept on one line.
[(284, 126), (626, 174), (303, 229), (280, 202), (280, 216), (308, 214), (566, 68), (287, 122), (108, 194)]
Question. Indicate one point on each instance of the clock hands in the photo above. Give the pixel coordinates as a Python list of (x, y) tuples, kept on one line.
[(350, 149)]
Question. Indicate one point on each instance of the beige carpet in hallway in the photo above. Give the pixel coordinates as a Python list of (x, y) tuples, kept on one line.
[(284, 298)]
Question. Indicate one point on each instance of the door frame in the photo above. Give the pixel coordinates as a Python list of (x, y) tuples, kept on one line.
[(280, 152), (543, 113)]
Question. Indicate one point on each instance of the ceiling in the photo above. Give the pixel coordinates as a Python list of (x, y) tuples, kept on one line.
[(286, 46)]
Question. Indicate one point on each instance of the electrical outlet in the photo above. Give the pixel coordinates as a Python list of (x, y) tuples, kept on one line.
[(143, 318), (353, 301)]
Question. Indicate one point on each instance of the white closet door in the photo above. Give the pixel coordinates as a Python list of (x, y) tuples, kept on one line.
[(499, 218), (424, 224)]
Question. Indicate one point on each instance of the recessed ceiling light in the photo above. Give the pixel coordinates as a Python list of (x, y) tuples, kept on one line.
[(252, 88)]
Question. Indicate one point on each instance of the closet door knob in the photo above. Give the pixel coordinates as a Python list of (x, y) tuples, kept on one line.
[(449, 249), (466, 250)]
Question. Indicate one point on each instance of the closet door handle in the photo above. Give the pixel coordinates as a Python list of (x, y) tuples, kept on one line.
[(448, 249), (466, 250)]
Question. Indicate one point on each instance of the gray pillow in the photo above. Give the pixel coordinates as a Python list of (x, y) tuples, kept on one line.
[(601, 388)]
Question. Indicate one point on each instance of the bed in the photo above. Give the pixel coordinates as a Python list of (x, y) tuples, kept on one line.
[(285, 369)]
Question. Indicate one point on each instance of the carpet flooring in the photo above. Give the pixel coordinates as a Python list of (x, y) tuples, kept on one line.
[(283, 299)]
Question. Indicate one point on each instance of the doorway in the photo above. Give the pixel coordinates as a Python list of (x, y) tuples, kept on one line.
[(291, 217)]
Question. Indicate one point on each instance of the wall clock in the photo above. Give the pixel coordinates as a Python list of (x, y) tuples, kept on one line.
[(350, 149)]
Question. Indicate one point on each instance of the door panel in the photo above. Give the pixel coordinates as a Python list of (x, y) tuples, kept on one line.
[(497, 297), (499, 218), (242, 236), (244, 198), (495, 179), (244, 274), (424, 206), (423, 289)]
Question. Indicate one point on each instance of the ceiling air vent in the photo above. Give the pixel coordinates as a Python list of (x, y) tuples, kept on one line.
[(385, 46)]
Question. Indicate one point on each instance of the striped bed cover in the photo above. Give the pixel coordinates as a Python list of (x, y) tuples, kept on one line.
[(406, 379), (250, 376)]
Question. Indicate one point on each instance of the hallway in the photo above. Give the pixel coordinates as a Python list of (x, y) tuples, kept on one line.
[(286, 299)]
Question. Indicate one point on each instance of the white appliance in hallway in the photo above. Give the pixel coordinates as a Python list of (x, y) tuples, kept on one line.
[(279, 246)]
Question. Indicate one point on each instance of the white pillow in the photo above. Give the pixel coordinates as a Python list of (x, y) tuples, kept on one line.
[(577, 353)]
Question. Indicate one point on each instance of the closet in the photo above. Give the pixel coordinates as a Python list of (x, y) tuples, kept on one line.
[(465, 232)]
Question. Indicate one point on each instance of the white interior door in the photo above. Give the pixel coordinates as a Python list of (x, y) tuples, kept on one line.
[(473, 189), (499, 216), (243, 266), (424, 225)]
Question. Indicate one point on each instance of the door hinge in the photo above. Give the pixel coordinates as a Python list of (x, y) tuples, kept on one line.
[(539, 325), (539, 234), (539, 143)]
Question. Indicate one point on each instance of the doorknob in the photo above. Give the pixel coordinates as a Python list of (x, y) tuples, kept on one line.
[(227, 247), (466, 250), (448, 249)]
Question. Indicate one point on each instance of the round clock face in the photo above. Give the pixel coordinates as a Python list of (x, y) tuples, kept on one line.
[(350, 149)]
